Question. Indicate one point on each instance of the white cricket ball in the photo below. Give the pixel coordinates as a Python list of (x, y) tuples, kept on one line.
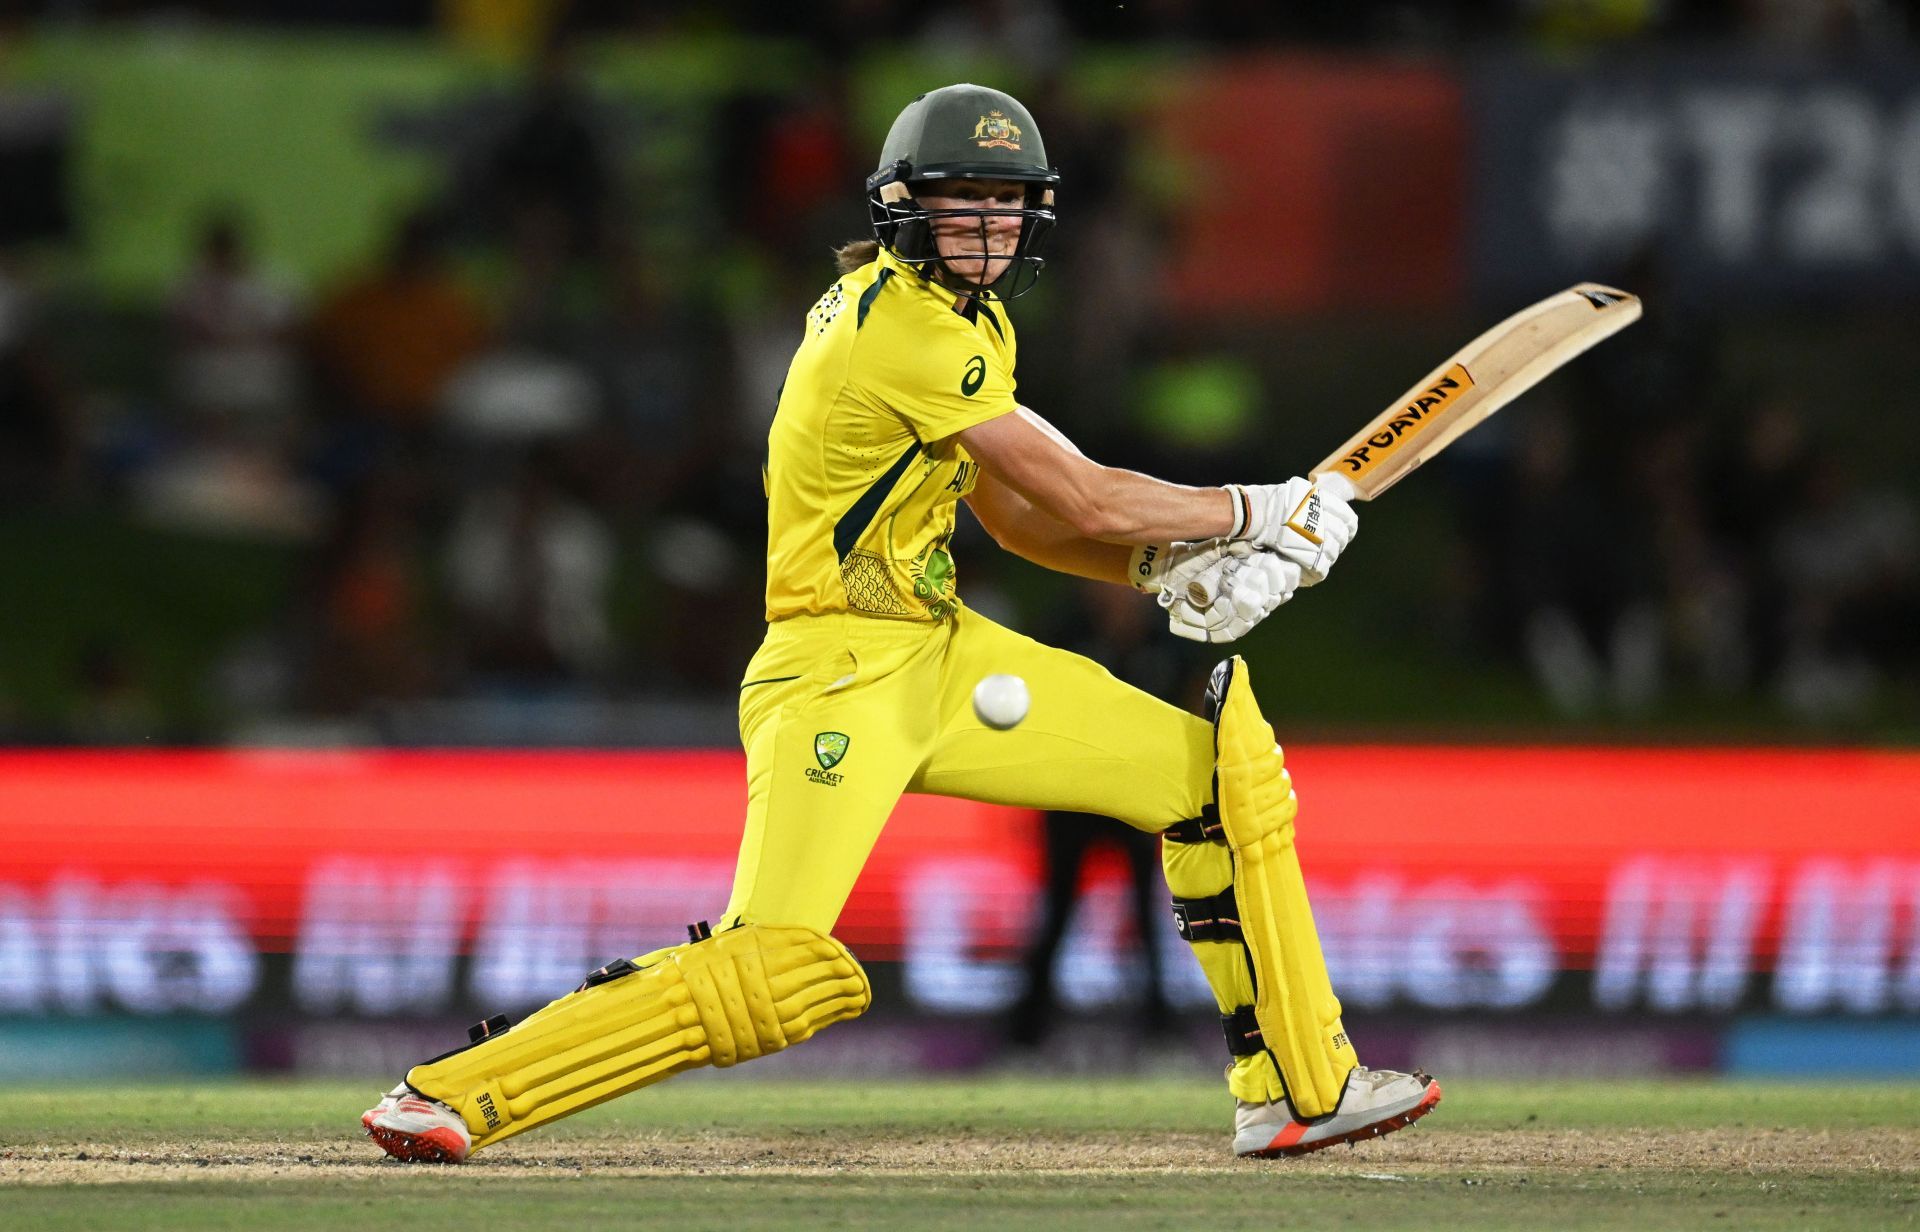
[(1000, 700)]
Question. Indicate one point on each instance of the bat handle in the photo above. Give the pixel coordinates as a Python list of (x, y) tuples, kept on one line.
[(1333, 483)]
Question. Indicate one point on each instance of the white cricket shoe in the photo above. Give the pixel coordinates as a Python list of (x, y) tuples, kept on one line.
[(1376, 1101), (417, 1130)]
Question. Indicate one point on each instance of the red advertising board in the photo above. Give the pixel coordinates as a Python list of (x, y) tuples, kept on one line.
[(1676, 880), (1314, 183)]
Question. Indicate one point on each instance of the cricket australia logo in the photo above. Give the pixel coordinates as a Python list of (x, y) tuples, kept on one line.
[(996, 130), (828, 749)]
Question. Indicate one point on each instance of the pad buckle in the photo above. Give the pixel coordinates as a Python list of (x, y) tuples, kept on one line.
[(1206, 828), (612, 971), (488, 1028)]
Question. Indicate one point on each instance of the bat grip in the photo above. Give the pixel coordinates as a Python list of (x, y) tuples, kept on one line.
[(1334, 484)]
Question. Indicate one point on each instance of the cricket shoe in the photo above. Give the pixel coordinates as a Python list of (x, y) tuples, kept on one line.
[(417, 1130), (1376, 1101)]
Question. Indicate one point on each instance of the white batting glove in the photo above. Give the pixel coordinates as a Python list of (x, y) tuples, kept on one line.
[(1158, 568), (1299, 519), (1249, 585)]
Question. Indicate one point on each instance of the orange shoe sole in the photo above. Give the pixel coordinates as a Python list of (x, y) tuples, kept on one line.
[(1288, 1142), (435, 1146)]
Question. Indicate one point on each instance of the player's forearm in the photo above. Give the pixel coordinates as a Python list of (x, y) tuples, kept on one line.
[(1035, 460), (1029, 532), (1118, 506), (1078, 555)]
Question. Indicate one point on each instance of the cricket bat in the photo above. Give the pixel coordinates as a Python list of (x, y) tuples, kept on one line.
[(1476, 381)]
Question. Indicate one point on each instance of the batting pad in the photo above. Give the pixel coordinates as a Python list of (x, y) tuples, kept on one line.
[(1294, 1005), (1203, 872), (734, 996)]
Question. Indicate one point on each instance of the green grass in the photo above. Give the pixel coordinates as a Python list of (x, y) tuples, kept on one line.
[(729, 1152), (855, 1202)]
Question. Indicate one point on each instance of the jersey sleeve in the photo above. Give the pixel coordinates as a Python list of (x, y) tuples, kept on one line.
[(941, 378)]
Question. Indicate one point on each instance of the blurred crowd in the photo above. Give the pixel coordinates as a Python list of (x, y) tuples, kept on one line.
[(1040, 29), (1663, 523), (514, 461)]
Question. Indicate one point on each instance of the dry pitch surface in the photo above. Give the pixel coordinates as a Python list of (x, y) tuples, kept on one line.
[(727, 1151)]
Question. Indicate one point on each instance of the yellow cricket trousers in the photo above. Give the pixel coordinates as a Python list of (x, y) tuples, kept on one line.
[(842, 713)]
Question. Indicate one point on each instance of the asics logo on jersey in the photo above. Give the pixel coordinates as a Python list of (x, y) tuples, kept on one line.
[(975, 376)]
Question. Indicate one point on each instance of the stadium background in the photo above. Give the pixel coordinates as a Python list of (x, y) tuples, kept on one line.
[(382, 390)]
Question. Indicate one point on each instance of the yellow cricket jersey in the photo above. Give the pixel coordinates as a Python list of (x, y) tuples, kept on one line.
[(861, 477)]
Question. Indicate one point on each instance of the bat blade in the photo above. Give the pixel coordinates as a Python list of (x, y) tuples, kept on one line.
[(1473, 383)]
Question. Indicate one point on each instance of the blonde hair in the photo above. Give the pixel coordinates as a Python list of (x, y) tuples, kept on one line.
[(853, 254)]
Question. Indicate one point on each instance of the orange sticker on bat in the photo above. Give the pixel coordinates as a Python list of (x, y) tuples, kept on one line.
[(1409, 420)]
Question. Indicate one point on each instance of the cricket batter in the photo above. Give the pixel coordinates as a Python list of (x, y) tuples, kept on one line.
[(898, 405)]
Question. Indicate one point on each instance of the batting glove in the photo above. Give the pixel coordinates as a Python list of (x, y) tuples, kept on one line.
[(1299, 519), (1157, 568), (1247, 588)]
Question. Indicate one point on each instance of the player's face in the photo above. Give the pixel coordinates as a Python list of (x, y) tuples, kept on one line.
[(975, 248)]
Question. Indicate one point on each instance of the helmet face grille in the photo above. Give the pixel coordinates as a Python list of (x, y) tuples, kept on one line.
[(905, 229)]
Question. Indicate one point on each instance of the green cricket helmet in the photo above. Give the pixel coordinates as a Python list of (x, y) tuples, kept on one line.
[(963, 132)]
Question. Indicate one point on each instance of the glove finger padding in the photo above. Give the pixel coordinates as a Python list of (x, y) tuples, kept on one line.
[(1198, 622), (1264, 584), (1278, 579), (1201, 581), (1251, 586), (1214, 625)]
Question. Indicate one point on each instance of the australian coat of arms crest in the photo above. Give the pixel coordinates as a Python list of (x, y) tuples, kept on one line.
[(995, 129)]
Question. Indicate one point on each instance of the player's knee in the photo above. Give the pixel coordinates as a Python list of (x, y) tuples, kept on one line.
[(1195, 869), (1254, 791), (758, 988)]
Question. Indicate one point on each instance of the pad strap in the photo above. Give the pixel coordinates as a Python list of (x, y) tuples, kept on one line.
[(1244, 1038), (1206, 828), (1215, 918)]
